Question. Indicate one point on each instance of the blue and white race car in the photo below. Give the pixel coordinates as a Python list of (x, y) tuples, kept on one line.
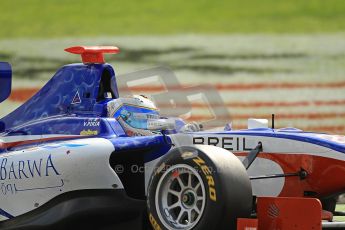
[(78, 155)]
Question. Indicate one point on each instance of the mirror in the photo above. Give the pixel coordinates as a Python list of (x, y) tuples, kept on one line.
[(5, 80)]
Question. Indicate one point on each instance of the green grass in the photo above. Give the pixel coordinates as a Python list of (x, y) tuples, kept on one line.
[(340, 207), (56, 18)]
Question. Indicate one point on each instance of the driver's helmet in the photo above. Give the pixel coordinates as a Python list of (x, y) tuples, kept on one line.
[(133, 113)]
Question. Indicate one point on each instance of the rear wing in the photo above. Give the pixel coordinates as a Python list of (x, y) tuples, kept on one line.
[(5, 80)]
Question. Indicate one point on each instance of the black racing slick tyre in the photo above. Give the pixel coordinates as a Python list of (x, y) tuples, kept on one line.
[(329, 204), (198, 187)]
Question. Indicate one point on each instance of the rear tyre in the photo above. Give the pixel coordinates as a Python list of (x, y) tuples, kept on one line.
[(199, 187), (329, 204)]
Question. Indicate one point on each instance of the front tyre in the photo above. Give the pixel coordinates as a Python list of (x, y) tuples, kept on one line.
[(199, 187)]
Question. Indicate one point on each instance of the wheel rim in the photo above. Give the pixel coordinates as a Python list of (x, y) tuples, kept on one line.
[(180, 197)]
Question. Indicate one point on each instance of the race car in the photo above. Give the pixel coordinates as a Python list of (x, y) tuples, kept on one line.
[(77, 155)]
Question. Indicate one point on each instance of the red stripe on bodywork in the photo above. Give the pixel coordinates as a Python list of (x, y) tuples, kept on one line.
[(19, 143)]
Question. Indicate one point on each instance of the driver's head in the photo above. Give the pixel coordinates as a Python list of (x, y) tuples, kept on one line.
[(133, 110)]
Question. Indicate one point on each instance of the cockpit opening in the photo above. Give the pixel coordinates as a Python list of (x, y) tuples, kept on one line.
[(105, 90)]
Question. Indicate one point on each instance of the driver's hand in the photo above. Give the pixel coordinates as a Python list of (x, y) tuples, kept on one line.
[(191, 127)]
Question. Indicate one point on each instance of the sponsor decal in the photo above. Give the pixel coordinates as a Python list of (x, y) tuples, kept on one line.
[(12, 172), (23, 169), (92, 122), (76, 99), (60, 185), (89, 132), (210, 180), (145, 116), (154, 223), (188, 155), (160, 168), (228, 143)]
